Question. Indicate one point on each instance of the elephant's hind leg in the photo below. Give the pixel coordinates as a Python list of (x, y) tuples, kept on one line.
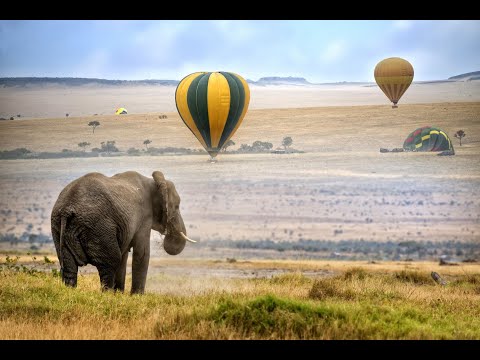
[(70, 268), (106, 257), (107, 276), (121, 272)]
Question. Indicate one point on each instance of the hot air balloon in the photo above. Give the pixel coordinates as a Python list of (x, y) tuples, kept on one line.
[(394, 75), (212, 105), (428, 138), (121, 111)]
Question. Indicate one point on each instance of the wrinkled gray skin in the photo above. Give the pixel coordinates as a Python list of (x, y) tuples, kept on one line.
[(98, 219)]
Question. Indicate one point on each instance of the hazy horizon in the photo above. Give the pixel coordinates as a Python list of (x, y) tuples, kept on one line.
[(254, 80)]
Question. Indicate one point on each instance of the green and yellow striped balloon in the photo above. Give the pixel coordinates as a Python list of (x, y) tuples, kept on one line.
[(427, 138), (212, 105)]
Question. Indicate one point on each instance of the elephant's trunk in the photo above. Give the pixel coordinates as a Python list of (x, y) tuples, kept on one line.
[(173, 245), (175, 240)]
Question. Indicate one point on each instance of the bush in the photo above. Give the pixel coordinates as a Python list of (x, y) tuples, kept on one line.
[(270, 316), (415, 277), (327, 288), (169, 150), (133, 152), (65, 154), (355, 273), (109, 146), (19, 153)]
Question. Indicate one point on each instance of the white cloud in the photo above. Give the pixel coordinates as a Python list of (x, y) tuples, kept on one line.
[(334, 51)]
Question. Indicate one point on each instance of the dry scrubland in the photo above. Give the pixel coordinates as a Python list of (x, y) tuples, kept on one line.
[(53, 101), (355, 301), (341, 188)]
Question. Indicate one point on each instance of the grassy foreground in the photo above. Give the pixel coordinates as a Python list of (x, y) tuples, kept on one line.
[(354, 304)]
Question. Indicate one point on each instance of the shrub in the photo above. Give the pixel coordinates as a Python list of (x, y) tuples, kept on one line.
[(415, 277), (331, 288), (133, 152), (19, 153)]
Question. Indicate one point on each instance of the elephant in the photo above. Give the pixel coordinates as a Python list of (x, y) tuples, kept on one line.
[(98, 219)]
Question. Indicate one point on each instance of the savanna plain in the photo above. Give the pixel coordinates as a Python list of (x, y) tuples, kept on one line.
[(336, 241)]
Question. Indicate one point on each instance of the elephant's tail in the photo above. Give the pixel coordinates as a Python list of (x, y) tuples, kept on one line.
[(63, 224)]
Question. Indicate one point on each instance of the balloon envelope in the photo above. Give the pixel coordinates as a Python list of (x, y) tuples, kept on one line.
[(120, 111), (212, 105), (427, 138), (394, 75)]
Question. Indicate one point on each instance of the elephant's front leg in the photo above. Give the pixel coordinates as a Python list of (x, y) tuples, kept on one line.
[(120, 274), (141, 257)]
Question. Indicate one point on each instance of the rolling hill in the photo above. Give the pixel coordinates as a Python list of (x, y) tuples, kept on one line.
[(264, 81)]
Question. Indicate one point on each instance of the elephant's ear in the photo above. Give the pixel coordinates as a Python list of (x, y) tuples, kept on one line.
[(162, 187)]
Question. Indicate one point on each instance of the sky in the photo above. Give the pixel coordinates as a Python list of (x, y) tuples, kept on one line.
[(318, 50)]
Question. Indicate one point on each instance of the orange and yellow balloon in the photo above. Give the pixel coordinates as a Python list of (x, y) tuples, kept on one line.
[(394, 75), (212, 105)]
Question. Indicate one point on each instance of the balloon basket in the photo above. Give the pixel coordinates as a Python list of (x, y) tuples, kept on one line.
[(212, 160), (394, 106)]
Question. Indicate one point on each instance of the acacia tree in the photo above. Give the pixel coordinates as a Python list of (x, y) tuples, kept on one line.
[(287, 141), (109, 146), (262, 146), (84, 145), (245, 148), (94, 124), (146, 142), (459, 135), (227, 144)]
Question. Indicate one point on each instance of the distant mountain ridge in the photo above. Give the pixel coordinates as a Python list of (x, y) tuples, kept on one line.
[(475, 75), (269, 80), (70, 81), (283, 80)]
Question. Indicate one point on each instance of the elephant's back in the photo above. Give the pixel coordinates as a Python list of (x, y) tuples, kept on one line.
[(83, 195)]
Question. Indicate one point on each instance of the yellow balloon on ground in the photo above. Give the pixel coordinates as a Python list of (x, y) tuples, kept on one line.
[(121, 111), (212, 105), (394, 75)]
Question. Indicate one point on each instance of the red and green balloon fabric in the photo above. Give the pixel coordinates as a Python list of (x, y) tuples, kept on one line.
[(427, 138)]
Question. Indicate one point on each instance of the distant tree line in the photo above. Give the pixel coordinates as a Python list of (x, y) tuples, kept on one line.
[(261, 146), (109, 148), (327, 249), (361, 249), (11, 117)]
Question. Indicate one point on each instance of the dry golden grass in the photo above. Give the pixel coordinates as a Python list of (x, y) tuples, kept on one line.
[(320, 129), (356, 303), (158, 264)]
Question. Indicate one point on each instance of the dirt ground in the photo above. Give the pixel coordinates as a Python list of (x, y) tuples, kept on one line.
[(341, 188), (54, 101)]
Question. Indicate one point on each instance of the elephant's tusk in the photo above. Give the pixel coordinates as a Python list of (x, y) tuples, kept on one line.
[(184, 237)]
